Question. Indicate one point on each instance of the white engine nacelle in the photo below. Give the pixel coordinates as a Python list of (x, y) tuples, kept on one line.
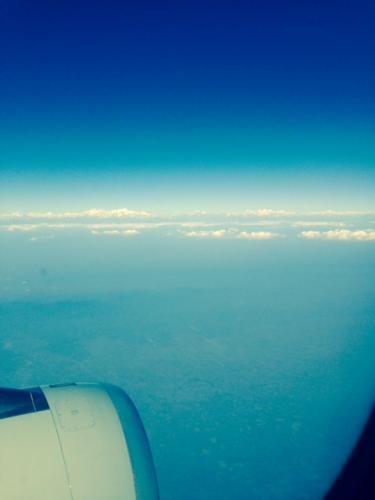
[(73, 442)]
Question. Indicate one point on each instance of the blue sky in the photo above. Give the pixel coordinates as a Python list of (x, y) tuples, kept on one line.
[(195, 105)]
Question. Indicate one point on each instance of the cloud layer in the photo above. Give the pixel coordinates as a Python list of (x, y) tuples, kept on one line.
[(340, 234), (219, 233), (258, 235), (115, 232), (92, 213), (232, 234), (252, 225)]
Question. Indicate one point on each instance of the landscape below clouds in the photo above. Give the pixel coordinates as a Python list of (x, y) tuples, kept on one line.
[(245, 339)]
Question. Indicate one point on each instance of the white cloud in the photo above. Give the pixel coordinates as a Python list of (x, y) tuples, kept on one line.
[(257, 235), (340, 234), (262, 212), (107, 232), (270, 212), (115, 232), (217, 234), (317, 223), (118, 212), (126, 213), (200, 213), (251, 224), (21, 227), (130, 232), (121, 226), (232, 234), (195, 224), (342, 213), (311, 235), (25, 227), (92, 213), (33, 239)]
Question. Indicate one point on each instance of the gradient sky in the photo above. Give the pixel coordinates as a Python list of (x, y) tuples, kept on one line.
[(189, 105)]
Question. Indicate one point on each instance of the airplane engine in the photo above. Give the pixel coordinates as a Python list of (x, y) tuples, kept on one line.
[(73, 442)]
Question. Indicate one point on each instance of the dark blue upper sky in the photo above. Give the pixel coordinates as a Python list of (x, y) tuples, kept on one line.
[(92, 86)]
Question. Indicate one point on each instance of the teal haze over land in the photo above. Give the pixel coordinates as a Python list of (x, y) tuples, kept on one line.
[(247, 341), (187, 210)]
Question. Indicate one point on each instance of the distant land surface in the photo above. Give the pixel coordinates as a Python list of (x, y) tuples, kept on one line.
[(251, 362)]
